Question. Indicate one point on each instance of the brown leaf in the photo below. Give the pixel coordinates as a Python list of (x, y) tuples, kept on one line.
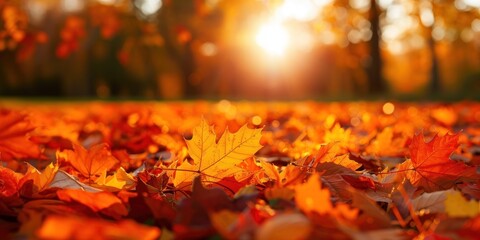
[(193, 216)]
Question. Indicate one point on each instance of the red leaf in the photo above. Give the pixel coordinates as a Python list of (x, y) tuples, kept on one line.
[(430, 166), (9, 195)]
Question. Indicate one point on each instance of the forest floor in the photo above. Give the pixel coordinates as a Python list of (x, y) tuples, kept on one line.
[(264, 170)]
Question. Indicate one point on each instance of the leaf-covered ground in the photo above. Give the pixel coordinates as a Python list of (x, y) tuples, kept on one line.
[(239, 170)]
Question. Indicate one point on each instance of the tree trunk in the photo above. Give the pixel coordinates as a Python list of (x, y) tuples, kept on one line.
[(376, 84), (435, 86), (181, 54)]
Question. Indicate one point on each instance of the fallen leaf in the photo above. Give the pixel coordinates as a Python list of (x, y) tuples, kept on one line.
[(40, 181), (386, 145), (285, 226), (431, 202), (64, 180), (430, 166), (105, 202), (192, 219), (118, 181), (90, 163), (372, 217), (73, 227), (457, 206), (9, 191), (310, 197), (34, 212), (14, 137), (332, 153), (217, 160)]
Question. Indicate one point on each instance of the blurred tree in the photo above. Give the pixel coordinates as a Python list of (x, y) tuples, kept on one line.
[(175, 23), (376, 82)]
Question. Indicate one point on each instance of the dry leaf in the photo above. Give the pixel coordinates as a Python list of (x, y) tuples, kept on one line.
[(14, 137), (118, 181), (457, 206), (98, 201), (285, 226), (90, 163), (310, 197), (430, 166), (73, 227), (217, 160)]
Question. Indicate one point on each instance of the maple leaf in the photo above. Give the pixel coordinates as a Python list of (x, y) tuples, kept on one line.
[(119, 180), (216, 160), (90, 163), (14, 140), (9, 186), (330, 153), (34, 181), (310, 197), (289, 176), (385, 144), (343, 137), (430, 166)]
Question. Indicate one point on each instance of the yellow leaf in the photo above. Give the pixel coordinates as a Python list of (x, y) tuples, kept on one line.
[(41, 180), (457, 206), (310, 197), (338, 135), (120, 180), (217, 160), (184, 174)]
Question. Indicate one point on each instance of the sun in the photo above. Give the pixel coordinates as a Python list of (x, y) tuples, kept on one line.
[(273, 38)]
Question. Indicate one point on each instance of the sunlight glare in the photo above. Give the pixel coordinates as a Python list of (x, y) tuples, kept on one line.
[(362, 5), (273, 38), (472, 3), (148, 7), (107, 2), (208, 49), (36, 10), (73, 5), (388, 108), (301, 10)]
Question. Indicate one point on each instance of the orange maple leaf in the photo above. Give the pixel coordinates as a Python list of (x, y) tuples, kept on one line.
[(217, 159), (90, 163), (430, 166), (14, 139), (310, 197)]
